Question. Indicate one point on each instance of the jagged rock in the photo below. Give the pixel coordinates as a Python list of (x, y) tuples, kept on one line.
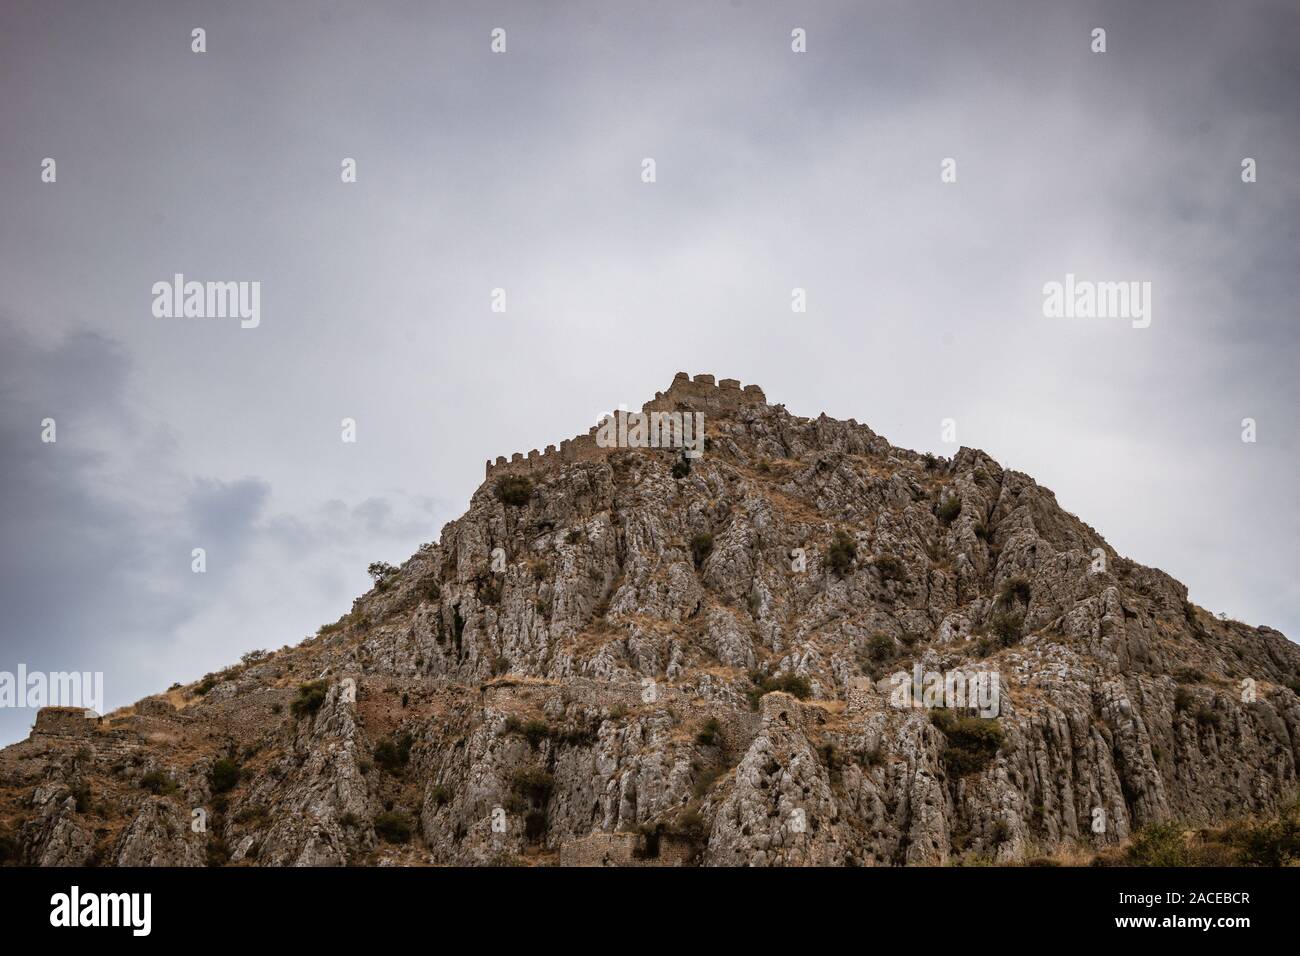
[(605, 688)]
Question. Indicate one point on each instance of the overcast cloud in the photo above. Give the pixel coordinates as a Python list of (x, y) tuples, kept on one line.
[(475, 171)]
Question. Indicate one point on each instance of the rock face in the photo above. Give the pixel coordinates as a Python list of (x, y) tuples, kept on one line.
[(626, 656)]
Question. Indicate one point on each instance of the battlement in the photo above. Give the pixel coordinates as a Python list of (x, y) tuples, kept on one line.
[(65, 721), (701, 394)]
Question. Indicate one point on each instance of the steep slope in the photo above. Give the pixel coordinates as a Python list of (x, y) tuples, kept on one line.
[(621, 681)]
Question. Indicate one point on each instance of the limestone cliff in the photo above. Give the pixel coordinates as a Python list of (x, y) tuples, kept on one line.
[(674, 660)]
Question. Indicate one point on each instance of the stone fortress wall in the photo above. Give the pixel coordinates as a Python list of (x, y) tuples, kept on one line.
[(700, 394)]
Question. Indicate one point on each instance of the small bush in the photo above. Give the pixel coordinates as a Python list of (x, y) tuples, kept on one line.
[(1276, 843), (843, 552), (1159, 844), (1183, 700), (681, 468), (534, 785), (514, 490), (157, 783), (929, 461), (949, 509), (1007, 626), (81, 794), (393, 826), (701, 547), (439, 796), (393, 755), (535, 825), (224, 775), (792, 684), (380, 571), (1016, 589), (310, 697), (891, 568), (880, 647), (709, 733), (535, 731), (973, 742)]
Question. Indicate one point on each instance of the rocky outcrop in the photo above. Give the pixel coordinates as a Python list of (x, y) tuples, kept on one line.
[(633, 657)]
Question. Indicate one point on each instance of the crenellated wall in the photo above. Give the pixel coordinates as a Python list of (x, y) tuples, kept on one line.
[(701, 394), (65, 722)]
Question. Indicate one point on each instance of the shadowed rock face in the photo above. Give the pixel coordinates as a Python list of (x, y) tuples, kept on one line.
[(637, 667)]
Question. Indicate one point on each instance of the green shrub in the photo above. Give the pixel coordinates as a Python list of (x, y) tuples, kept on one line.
[(949, 509), (973, 742), (880, 647), (842, 553), (792, 684), (701, 547), (1159, 844), (709, 732), (1183, 700), (891, 568), (535, 731), (81, 794), (534, 785), (681, 468), (1276, 843), (439, 795), (514, 490), (535, 825), (393, 755), (157, 783), (1016, 589), (310, 697), (224, 775), (1007, 626), (380, 571), (393, 826)]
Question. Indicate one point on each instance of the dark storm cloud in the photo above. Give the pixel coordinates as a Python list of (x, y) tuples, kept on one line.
[(475, 171)]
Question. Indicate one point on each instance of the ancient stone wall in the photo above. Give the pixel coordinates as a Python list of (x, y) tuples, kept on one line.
[(65, 722), (701, 394)]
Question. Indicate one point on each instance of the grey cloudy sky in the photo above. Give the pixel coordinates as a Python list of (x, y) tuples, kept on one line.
[(775, 170)]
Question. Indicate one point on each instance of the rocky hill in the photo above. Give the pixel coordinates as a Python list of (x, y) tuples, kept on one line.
[(629, 655)]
